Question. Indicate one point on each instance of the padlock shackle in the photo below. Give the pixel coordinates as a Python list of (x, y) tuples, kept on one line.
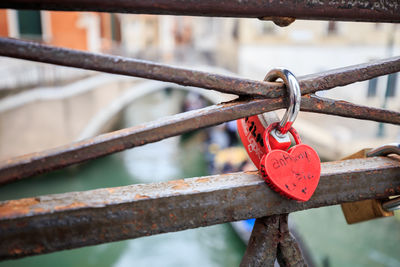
[(294, 94), (271, 127)]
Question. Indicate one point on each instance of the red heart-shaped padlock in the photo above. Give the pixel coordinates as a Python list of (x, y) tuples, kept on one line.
[(294, 173)]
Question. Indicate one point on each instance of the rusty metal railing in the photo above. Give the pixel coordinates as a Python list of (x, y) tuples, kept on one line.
[(366, 10), (104, 215), (92, 217), (255, 97)]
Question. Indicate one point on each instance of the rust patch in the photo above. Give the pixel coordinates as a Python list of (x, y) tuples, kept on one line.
[(15, 251), (172, 216), (179, 184), (38, 249), (139, 196), (203, 180), (17, 207), (280, 21), (70, 206), (139, 226), (390, 191)]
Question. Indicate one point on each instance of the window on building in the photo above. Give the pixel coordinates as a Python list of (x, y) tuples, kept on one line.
[(29, 24), (372, 84), (391, 85)]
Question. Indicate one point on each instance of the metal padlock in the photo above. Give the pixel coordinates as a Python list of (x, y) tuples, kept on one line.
[(365, 210), (251, 130)]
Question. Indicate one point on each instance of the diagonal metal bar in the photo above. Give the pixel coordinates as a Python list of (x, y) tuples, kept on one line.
[(288, 253), (316, 104), (27, 165), (270, 241), (31, 164), (51, 223), (374, 11), (263, 244), (227, 84)]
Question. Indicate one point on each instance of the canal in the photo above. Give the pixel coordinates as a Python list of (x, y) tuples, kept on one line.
[(324, 233)]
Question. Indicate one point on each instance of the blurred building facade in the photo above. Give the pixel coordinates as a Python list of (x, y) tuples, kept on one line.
[(95, 32), (308, 47), (77, 30)]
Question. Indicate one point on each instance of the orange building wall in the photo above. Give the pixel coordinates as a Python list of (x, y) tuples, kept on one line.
[(3, 23), (105, 31), (65, 31)]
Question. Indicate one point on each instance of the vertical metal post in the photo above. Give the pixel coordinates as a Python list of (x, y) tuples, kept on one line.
[(270, 241), (289, 253), (263, 243)]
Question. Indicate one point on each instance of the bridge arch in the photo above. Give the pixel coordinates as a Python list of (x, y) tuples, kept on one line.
[(138, 91)]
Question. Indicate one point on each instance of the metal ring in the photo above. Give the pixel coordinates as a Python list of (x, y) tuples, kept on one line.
[(294, 96)]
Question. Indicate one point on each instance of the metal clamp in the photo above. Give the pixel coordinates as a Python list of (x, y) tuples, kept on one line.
[(393, 148), (294, 96)]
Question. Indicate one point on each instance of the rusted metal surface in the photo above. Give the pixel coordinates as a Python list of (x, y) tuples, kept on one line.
[(186, 77), (263, 243), (288, 253), (316, 104), (280, 21), (271, 240), (36, 163), (51, 223), (365, 10)]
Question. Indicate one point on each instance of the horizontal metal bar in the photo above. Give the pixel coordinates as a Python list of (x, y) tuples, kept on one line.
[(374, 11), (186, 77), (36, 163), (55, 222)]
